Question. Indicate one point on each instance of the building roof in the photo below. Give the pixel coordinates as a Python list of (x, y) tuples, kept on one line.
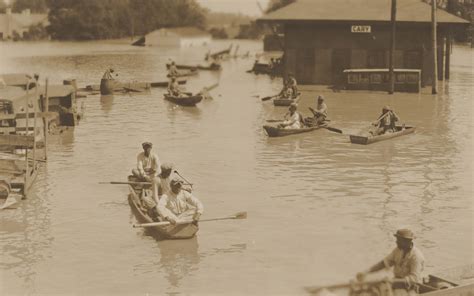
[(184, 31), (358, 10)]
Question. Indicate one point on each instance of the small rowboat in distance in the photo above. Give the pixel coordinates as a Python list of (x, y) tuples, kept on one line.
[(189, 101), (285, 102), (210, 67), (273, 131), (364, 140), (184, 73), (181, 231)]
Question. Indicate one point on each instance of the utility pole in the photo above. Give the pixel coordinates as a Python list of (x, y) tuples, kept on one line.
[(393, 16), (434, 88)]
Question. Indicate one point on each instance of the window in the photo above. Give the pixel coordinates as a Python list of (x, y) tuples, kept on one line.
[(376, 59)]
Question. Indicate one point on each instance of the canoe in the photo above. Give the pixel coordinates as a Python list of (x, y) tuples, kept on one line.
[(185, 73), (110, 86), (184, 101), (165, 83), (182, 231), (459, 281), (211, 67), (285, 102), (364, 140), (273, 131)]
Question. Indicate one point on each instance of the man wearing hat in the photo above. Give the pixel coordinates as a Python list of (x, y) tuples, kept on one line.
[(148, 164), (321, 112), (386, 121), (407, 261), (179, 205), (165, 178), (293, 118)]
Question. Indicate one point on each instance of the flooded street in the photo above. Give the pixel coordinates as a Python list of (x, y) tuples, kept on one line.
[(319, 208)]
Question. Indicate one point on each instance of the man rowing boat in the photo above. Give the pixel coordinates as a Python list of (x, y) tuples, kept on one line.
[(386, 122), (293, 119), (173, 70), (407, 261), (108, 74), (179, 204), (320, 114), (289, 90)]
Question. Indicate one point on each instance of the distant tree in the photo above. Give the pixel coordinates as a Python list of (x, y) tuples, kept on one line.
[(277, 4), (36, 6)]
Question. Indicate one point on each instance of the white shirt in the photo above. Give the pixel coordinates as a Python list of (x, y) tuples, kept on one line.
[(145, 164), (172, 205)]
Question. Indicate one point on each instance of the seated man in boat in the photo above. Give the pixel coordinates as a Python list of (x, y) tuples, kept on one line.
[(320, 114), (291, 83), (287, 94), (148, 164), (108, 74), (386, 122), (173, 70), (293, 118), (407, 262), (179, 205)]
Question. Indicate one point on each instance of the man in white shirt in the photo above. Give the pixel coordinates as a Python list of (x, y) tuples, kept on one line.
[(179, 205), (148, 164), (293, 119)]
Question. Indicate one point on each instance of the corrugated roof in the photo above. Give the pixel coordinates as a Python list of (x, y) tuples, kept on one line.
[(358, 10)]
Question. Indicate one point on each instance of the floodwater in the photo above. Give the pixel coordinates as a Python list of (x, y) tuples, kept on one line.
[(319, 208)]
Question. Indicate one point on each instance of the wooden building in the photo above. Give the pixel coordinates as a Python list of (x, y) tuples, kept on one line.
[(325, 37)]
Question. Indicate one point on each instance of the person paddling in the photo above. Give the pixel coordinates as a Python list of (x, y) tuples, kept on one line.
[(293, 119), (321, 112), (407, 262), (108, 74), (173, 70), (386, 122)]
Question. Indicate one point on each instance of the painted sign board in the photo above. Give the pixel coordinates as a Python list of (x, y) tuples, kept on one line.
[(361, 29)]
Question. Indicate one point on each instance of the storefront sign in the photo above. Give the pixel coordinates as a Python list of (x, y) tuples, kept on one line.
[(361, 29)]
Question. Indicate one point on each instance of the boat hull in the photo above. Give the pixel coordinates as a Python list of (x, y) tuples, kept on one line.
[(190, 101), (281, 132), (183, 231), (285, 102), (363, 140)]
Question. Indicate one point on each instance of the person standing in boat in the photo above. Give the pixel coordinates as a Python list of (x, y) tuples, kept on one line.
[(179, 204), (321, 112), (108, 74), (293, 118), (173, 87), (173, 70), (407, 262), (386, 121)]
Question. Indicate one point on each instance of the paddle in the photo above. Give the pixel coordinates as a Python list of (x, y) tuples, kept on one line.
[(205, 91), (239, 215), (269, 98), (189, 183), (126, 183)]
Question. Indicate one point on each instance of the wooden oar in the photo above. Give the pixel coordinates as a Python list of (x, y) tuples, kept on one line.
[(205, 91), (126, 183), (269, 98), (239, 215), (333, 129), (189, 183)]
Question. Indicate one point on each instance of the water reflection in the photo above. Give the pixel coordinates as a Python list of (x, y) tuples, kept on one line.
[(106, 103)]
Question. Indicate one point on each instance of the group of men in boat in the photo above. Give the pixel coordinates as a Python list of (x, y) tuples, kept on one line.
[(169, 199)]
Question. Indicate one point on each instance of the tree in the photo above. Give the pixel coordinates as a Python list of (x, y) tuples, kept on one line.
[(277, 4), (36, 6)]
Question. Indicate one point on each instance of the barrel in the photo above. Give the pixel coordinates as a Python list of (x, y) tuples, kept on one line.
[(106, 86)]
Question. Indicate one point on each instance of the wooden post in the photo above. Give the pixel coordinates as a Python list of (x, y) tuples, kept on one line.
[(35, 101), (46, 120), (434, 77), (393, 16), (26, 132), (448, 56)]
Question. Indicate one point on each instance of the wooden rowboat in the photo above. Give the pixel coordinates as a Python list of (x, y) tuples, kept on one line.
[(111, 86), (185, 73), (210, 67), (285, 102), (182, 231), (457, 281), (364, 140), (273, 131), (185, 100)]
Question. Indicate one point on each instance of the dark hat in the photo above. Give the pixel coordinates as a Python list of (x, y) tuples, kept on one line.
[(147, 144), (404, 233), (176, 182), (320, 98), (111, 70)]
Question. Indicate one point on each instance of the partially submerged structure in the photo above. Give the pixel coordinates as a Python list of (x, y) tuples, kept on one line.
[(175, 37), (324, 38)]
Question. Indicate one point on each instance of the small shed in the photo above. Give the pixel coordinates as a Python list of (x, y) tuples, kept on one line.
[(178, 37)]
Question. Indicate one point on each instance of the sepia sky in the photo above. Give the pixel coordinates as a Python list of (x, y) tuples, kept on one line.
[(248, 7)]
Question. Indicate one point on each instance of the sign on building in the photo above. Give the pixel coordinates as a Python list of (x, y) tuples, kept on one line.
[(361, 29)]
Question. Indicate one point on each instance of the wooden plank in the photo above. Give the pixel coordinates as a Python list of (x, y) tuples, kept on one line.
[(17, 141)]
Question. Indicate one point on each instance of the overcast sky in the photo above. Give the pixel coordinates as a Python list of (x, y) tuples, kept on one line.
[(248, 7)]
